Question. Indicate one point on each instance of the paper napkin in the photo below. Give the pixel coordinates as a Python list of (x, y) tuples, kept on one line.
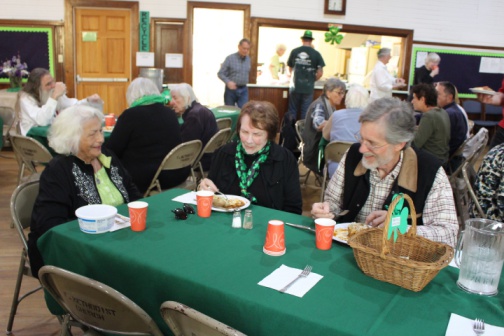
[(120, 222), (459, 325), (189, 197), (283, 275)]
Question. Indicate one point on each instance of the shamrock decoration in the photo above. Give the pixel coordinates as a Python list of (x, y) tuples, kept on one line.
[(333, 36), (399, 218)]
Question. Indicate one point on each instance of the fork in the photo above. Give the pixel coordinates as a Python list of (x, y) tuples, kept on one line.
[(218, 192), (303, 274), (479, 326)]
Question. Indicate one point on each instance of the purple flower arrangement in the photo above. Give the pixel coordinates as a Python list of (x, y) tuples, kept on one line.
[(14, 67)]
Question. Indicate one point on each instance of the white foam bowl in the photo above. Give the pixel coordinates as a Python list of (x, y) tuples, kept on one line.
[(96, 218)]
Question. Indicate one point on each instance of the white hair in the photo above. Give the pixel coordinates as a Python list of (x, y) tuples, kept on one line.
[(383, 52), (140, 87), (185, 91), (66, 131), (432, 57), (357, 97)]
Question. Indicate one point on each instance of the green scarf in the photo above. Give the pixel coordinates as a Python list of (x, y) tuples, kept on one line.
[(148, 100), (247, 176)]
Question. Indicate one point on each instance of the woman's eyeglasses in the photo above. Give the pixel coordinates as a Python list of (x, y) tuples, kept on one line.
[(358, 137), (181, 213)]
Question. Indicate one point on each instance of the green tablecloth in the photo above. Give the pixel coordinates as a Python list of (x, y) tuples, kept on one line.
[(214, 268)]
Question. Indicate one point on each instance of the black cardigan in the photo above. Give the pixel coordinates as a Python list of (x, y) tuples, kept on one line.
[(277, 185), (66, 184)]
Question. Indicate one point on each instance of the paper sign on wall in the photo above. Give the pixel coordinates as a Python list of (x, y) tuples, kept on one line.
[(174, 60), (145, 59)]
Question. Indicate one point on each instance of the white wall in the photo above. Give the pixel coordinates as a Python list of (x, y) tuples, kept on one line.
[(470, 22)]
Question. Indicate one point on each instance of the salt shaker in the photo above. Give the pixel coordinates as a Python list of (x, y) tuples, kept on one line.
[(247, 220), (236, 220)]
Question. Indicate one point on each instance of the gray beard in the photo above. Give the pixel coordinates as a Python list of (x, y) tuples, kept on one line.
[(44, 96)]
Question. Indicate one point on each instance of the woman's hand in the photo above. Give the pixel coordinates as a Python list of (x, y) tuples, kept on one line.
[(434, 72), (321, 210), (207, 184), (376, 218), (495, 99)]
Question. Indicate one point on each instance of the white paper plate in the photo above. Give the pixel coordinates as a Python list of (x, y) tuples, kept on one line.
[(489, 92), (340, 226), (247, 204)]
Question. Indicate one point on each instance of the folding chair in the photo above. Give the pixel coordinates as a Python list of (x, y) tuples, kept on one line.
[(30, 153), (334, 151), (181, 156), (21, 207), (469, 176), (185, 321), (215, 142), (223, 123), (112, 312)]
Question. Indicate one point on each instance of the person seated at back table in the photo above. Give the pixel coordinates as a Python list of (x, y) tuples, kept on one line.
[(199, 121), (255, 167), (317, 115), (83, 173), (42, 98), (433, 133), (344, 124), (383, 164), (144, 134)]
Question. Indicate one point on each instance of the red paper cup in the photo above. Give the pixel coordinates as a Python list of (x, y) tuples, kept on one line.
[(138, 215), (324, 231), (275, 238), (109, 120), (204, 199)]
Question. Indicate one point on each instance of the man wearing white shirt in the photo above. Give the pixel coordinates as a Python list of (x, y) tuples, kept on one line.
[(42, 98), (382, 82)]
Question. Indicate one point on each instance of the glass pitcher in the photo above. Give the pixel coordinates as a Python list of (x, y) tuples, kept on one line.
[(480, 255)]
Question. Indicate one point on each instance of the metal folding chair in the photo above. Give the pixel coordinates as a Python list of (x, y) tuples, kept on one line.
[(30, 154), (219, 139), (334, 151)]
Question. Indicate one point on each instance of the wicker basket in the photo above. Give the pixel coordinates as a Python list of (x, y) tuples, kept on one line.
[(411, 262)]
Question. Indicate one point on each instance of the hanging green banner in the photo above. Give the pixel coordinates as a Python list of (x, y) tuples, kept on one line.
[(144, 31)]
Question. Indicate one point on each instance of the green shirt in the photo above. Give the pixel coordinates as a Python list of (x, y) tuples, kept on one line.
[(275, 63), (433, 134), (304, 61), (107, 190)]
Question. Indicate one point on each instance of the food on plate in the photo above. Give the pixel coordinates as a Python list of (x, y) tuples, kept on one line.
[(482, 88), (350, 230), (229, 203), (108, 128)]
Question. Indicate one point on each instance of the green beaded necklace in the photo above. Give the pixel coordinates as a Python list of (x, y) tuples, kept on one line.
[(247, 176)]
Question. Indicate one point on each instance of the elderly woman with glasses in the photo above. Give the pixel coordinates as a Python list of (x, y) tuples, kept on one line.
[(316, 118), (144, 134), (199, 121), (83, 173), (255, 167)]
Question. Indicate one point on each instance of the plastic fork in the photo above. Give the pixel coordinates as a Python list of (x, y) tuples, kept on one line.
[(479, 327), (304, 274)]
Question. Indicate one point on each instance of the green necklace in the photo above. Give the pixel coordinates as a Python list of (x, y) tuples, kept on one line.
[(247, 176), (147, 100)]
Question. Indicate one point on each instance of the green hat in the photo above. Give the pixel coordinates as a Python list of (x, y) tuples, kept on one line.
[(307, 35)]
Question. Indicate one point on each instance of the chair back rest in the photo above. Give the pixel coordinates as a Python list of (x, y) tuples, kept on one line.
[(460, 195), (300, 125), (184, 320), (493, 109), (469, 176), (220, 138), (223, 123), (472, 106), (21, 207), (470, 125), (182, 156), (335, 150), (95, 304), (30, 151), (475, 143)]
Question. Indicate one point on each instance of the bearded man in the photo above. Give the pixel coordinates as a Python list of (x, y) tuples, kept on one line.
[(383, 164), (42, 98)]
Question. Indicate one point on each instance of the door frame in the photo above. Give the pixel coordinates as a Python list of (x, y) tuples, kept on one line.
[(191, 5), (69, 54)]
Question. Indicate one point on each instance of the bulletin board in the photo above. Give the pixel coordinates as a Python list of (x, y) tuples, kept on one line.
[(464, 68), (34, 45)]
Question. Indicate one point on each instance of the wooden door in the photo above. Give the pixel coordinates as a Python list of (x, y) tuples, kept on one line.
[(103, 55), (169, 38)]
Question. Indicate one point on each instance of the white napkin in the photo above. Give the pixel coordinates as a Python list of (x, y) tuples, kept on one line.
[(120, 222), (459, 326), (283, 275), (189, 197)]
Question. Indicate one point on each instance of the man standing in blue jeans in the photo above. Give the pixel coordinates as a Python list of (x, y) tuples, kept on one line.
[(235, 73), (305, 65)]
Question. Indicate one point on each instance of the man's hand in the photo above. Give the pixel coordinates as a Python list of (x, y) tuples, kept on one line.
[(376, 218), (59, 90), (231, 85), (434, 72), (495, 99), (321, 210)]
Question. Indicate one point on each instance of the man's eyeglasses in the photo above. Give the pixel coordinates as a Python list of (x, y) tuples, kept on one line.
[(358, 137), (181, 213)]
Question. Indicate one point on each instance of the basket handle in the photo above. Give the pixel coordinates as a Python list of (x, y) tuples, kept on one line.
[(411, 232)]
